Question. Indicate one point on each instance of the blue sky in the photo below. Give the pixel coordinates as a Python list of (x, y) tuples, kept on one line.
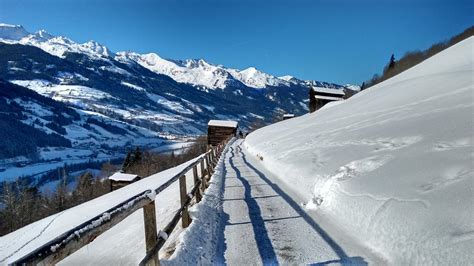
[(342, 41)]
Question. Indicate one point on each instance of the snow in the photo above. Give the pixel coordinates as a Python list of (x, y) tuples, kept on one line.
[(12, 32), (246, 218), (133, 86), (110, 247), (122, 177), (66, 93), (328, 98), (328, 90), (256, 79), (202, 73), (222, 123), (286, 78), (392, 166), (171, 105)]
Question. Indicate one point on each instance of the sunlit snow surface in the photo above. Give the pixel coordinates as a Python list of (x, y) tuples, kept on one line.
[(393, 165), (123, 244)]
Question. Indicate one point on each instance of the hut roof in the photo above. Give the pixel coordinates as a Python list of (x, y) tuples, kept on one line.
[(288, 115), (222, 123), (123, 177), (329, 90), (330, 98)]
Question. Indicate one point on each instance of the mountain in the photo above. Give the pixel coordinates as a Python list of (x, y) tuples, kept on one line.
[(137, 99)]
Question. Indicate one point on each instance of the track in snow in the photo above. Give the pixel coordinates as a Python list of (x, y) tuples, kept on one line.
[(263, 224)]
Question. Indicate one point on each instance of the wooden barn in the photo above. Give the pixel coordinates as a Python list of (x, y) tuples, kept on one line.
[(318, 97), (119, 180), (220, 130)]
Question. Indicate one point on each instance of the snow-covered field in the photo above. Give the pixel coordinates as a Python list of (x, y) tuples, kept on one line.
[(393, 166)]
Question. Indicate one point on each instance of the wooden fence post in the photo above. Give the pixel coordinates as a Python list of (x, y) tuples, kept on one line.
[(149, 217), (208, 168), (203, 176), (196, 180), (185, 219), (211, 164)]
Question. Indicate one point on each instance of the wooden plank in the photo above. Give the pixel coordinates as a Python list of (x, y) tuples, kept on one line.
[(203, 177), (185, 219), (209, 160), (208, 168), (149, 219), (196, 183)]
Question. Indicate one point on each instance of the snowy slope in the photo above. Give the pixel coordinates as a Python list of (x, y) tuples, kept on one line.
[(393, 165), (124, 244)]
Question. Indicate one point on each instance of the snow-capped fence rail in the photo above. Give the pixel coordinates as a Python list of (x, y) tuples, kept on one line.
[(81, 235)]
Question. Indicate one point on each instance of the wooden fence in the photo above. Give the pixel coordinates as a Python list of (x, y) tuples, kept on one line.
[(74, 239)]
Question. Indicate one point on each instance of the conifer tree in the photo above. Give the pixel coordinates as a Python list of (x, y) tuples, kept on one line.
[(127, 161)]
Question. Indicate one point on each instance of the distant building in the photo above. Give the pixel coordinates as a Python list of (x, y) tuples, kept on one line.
[(119, 180), (318, 97), (220, 130), (288, 116)]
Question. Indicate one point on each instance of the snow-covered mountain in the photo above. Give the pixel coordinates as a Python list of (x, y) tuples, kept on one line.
[(161, 98), (391, 167), (192, 71)]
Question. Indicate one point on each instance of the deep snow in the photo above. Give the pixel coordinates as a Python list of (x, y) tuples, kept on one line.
[(392, 166)]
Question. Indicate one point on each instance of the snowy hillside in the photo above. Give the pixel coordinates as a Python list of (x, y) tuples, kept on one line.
[(126, 99), (391, 166)]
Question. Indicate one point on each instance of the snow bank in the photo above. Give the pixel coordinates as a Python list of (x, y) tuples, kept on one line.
[(393, 165)]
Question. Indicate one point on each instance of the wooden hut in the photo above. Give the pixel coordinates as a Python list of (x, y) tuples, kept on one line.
[(220, 130), (119, 180), (318, 97)]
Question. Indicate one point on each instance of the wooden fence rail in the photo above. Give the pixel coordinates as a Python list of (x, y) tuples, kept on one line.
[(81, 235)]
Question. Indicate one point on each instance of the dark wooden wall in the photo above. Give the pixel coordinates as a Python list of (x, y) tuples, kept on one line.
[(216, 135)]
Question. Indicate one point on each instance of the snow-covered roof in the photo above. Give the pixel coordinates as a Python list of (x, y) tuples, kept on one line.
[(288, 115), (327, 98), (222, 123), (123, 177), (328, 90)]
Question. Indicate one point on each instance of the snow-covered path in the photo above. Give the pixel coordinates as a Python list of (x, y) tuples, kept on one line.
[(263, 224)]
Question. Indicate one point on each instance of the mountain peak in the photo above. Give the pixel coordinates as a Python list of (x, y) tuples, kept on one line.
[(12, 32), (43, 35), (287, 78), (98, 48)]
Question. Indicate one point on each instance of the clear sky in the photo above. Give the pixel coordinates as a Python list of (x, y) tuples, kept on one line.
[(342, 41)]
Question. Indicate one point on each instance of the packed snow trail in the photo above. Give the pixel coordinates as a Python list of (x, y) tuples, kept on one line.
[(265, 225)]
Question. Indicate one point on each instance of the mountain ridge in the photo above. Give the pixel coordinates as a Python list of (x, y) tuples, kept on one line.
[(189, 71)]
